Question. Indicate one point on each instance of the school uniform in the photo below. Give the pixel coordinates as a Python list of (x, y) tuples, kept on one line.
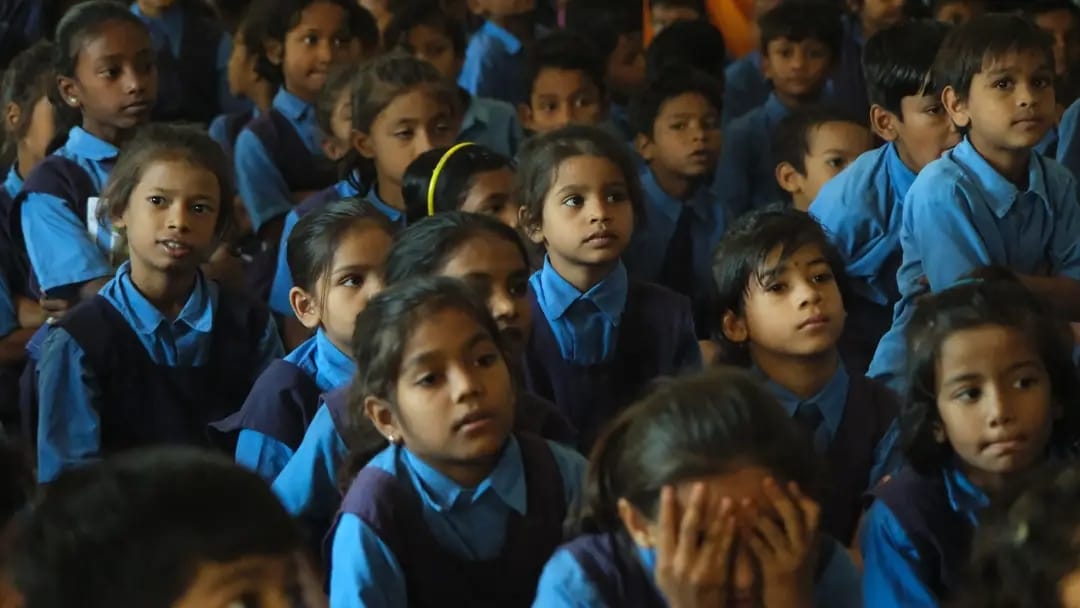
[(225, 128), (675, 243), (13, 182), (491, 123), (1048, 145), (495, 65), (746, 178), (594, 353), (849, 82), (1068, 149), (860, 210), (916, 537), (618, 122), (9, 374), (408, 535), (960, 215), (115, 373), (606, 571), (745, 87)]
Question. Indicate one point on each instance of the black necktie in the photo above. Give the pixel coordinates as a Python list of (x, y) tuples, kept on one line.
[(677, 272)]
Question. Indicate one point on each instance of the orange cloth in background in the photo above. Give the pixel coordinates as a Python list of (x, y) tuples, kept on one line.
[(734, 18)]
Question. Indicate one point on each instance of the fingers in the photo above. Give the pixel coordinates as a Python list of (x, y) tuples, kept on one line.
[(669, 525), (690, 528), (716, 548), (810, 508), (790, 515)]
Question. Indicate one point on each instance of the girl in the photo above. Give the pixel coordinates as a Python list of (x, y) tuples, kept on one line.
[(993, 393), (336, 253), (600, 337), (244, 83), (465, 176), (161, 352), (705, 493), (458, 510)]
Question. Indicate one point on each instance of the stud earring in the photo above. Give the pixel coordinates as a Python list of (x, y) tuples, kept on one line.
[(73, 100)]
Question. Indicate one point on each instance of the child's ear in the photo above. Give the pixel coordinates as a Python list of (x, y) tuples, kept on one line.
[(734, 327), (68, 91), (275, 51), (334, 149), (645, 147), (766, 67), (525, 116), (361, 142), (380, 415), (789, 178), (635, 523), (883, 122), (530, 227), (305, 308), (12, 113), (956, 107)]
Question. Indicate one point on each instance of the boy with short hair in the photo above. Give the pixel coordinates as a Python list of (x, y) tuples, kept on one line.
[(690, 44), (663, 13), (566, 84), (812, 146), (800, 43), (495, 58), (867, 17), (1060, 19), (745, 85), (861, 208), (991, 200)]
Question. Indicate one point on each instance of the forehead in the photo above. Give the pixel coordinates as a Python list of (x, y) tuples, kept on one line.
[(984, 348), (485, 253), (321, 15), (587, 170), (686, 102), (427, 33), (418, 102), (1014, 60), (552, 78), (800, 256), (837, 134), (444, 329), (115, 37)]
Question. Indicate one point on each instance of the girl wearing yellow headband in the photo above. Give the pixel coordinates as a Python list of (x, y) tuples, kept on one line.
[(465, 177)]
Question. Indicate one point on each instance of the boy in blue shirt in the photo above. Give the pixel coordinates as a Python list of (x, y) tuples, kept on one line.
[(801, 44), (566, 84), (861, 208), (991, 200), (495, 59)]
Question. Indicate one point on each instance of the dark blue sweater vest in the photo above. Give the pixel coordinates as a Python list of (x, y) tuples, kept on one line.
[(436, 577), (302, 170), (280, 405), (188, 86), (234, 123)]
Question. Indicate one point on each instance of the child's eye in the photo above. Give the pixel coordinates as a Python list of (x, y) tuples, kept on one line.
[(311, 39), (835, 163), (157, 200), (711, 122), (404, 134), (487, 359), (778, 287), (616, 197), (201, 208), (574, 201), (110, 73), (678, 126), (428, 380), (548, 107), (518, 287), (353, 281), (1042, 83), (1004, 83), (823, 277), (787, 53), (339, 42), (1026, 382), (442, 126), (967, 395), (935, 110)]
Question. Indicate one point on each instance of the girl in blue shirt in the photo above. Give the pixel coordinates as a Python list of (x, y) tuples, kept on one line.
[(467, 177), (993, 393), (704, 493), (452, 508)]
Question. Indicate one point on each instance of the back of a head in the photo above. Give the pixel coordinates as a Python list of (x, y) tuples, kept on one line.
[(603, 21), (696, 44), (672, 82), (569, 51), (898, 62), (798, 21), (970, 47), (415, 13)]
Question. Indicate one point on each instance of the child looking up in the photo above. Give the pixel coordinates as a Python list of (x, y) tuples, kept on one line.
[(495, 59), (812, 146), (566, 84), (465, 177)]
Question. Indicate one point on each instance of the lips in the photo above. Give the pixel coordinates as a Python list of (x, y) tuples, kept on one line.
[(474, 421), (1006, 445), (814, 322), (139, 107), (175, 248), (601, 237)]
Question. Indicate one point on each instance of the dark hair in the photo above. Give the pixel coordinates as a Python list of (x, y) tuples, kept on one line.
[(791, 139), (455, 179), (134, 530), (565, 50), (315, 239), (156, 142), (337, 83), (28, 78), (898, 62), (604, 21), (16, 483), (696, 44), (697, 5), (415, 13), (740, 258), (707, 424), (967, 306), (424, 248), (1034, 8), (798, 21), (968, 47), (542, 155), (673, 82)]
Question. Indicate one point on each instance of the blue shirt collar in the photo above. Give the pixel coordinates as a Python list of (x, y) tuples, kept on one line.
[(557, 295), (346, 188), (510, 41), (507, 481), (775, 111), (13, 183), (290, 105), (477, 113), (964, 496), (701, 201), (197, 313), (332, 364), (394, 214), (1001, 194), (83, 144), (900, 176), (831, 399)]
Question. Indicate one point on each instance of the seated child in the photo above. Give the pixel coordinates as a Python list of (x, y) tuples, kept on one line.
[(955, 12), (812, 146), (466, 177), (778, 282), (600, 337), (861, 209), (454, 508), (687, 44), (745, 84), (704, 489), (994, 394), (663, 13), (566, 84), (495, 58), (865, 19)]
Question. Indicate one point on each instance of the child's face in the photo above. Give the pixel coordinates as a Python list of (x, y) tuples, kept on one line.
[(241, 70), (39, 132), (626, 66), (994, 399), (798, 70), (923, 131), (961, 11), (337, 143), (832, 147), (663, 15), (497, 271), (264, 581), (492, 193), (432, 45), (686, 137), (880, 14), (171, 217), (501, 8), (562, 97), (320, 40), (1061, 25)]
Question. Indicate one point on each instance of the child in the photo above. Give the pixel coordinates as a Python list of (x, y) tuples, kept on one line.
[(1061, 20), (566, 84), (710, 457), (687, 44), (466, 177), (29, 118), (600, 337), (195, 350), (861, 209), (336, 253), (993, 393), (745, 85), (867, 18), (663, 13), (990, 200), (812, 146), (800, 46), (244, 82), (434, 382), (495, 59), (778, 283), (955, 12), (209, 534), (678, 123)]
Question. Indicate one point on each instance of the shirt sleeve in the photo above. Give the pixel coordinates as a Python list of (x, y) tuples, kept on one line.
[(564, 584), (283, 281), (261, 453), (838, 586), (69, 428), (364, 573), (307, 485), (938, 229), (890, 574), (887, 455), (259, 181), (216, 131), (60, 249), (1065, 241), (1068, 141)]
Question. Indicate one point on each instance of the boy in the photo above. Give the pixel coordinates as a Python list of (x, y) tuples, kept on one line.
[(778, 284), (955, 12), (991, 200), (688, 44), (663, 13), (166, 527), (566, 84), (867, 18), (800, 43), (1060, 19), (495, 59), (678, 137), (812, 146), (861, 208), (745, 85)]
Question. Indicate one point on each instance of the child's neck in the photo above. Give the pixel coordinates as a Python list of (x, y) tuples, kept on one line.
[(674, 184), (106, 133), (1011, 164), (583, 277), (167, 292), (24, 161), (262, 95), (990, 483), (803, 376), (389, 193)]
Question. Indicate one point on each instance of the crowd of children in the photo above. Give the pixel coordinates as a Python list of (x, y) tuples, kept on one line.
[(552, 303)]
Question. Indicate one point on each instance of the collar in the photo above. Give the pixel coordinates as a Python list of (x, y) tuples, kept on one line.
[(700, 202), (510, 41), (290, 105), (831, 399), (88, 146), (900, 176), (1001, 194), (13, 183), (774, 111), (394, 214), (507, 481), (477, 113), (557, 295), (964, 496), (346, 188), (330, 362), (197, 313)]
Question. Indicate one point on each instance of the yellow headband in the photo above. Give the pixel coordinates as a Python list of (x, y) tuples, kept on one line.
[(435, 175)]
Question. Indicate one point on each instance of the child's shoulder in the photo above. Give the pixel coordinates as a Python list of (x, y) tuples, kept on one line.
[(856, 184)]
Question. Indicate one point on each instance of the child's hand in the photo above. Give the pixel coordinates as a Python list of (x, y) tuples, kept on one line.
[(784, 549), (694, 550), (31, 314)]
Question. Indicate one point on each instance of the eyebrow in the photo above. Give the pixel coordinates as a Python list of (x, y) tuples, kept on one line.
[(969, 376), (431, 355), (352, 268)]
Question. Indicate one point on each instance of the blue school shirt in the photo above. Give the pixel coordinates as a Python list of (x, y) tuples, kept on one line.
[(470, 523), (495, 65), (586, 325), (492, 123), (746, 178), (330, 368), (1068, 148), (12, 183), (565, 584), (745, 87), (260, 183), (68, 428), (307, 485), (960, 215), (60, 246), (860, 210), (890, 572), (218, 128)]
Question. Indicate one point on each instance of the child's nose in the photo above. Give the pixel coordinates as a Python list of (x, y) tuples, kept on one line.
[(502, 305)]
